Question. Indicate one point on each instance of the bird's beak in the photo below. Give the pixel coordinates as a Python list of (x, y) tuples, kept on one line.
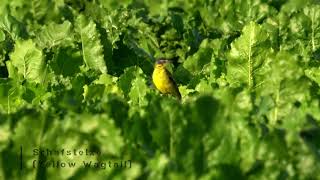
[(166, 61), (162, 61)]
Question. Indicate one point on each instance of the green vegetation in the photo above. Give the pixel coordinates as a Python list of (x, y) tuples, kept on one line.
[(77, 75)]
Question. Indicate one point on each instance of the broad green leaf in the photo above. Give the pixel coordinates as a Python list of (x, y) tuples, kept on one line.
[(126, 79), (195, 63), (110, 83), (28, 59), (5, 134), (246, 55), (10, 97), (138, 91), (293, 6), (92, 50), (113, 23), (313, 12), (13, 27), (93, 91), (2, 36), (3, 6), (313, 74), (287, 85), (54, 34), (157, 165), (12, 71), (87, 132), (66, 61), (30, 124), (113, 3), (109, 137), (65, 136), (40, 8), (204, 88), (34, 120), (233, 15)]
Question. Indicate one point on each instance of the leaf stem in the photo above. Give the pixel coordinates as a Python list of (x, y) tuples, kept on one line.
[(250, 78), (8, 103), (24, 69), (82, 45), (312, 27), (275, 114)]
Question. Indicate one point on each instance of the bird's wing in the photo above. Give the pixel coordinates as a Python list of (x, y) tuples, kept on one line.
[(175, 86)]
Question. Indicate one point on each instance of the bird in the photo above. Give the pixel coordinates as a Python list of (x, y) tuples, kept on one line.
[(163, 80)]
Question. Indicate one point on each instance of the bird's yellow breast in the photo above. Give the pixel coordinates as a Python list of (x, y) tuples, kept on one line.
[(162, 80)]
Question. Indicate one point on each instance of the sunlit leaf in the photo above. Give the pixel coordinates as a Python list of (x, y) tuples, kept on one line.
[(28, 59), (92, 50)]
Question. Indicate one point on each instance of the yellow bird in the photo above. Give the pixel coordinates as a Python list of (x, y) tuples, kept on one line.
[(163, 80)]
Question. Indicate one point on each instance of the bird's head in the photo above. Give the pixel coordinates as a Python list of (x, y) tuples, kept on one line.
[(161, 63)]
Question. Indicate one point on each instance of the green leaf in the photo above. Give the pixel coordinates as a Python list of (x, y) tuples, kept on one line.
[(126, 79), (54, 34), (108, 136), (294, 6), (29, 125), (28, 59), (113, 4), (194, 64), (134, 85), (93, 91), (10, 97), (66, 61), (13, 27), (157, 165), (40, 8), (12, 71), (3, 6), (139, 90), (2, 36), (5, 134), (286, 85), (34, 120), (313, 74), (67, 136), (245, 55), (204, 87), (110, 83), (313, 12), (92, 50)]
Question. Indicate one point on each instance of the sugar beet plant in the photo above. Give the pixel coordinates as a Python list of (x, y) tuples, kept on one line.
[(76, 75)]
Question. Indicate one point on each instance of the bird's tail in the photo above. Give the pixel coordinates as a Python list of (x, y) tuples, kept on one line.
[(177, 94)]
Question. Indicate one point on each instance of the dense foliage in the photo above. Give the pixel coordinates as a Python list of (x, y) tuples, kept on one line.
[(77, 75)]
